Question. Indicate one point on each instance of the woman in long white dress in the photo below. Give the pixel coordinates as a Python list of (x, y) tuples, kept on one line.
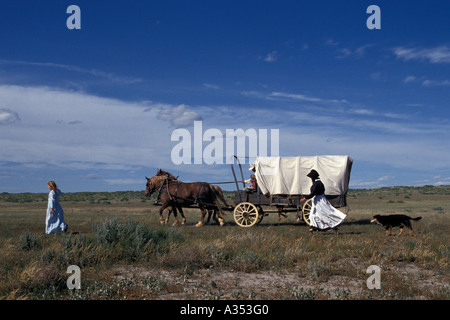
[(54, 221), (323, 215)]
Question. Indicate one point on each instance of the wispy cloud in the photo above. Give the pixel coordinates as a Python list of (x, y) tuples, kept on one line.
[(326, 105), (331, 42), (73, 122), (7, 116), (124, 181), (180, 116), (358, 52), (112, 134), (271, 56), (294, 96), (8, 174), (380, 182), (440, 54), (409, 79), (94, 72), (91, 129), (346, 52), (432, 83), (276, 95), (348, 117), (435, 181), (211, 86)]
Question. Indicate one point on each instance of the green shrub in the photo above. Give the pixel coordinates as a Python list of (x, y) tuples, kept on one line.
[(132, 240), (28, 241)]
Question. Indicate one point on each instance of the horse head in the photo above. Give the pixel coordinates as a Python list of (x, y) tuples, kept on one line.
[(153, 183)]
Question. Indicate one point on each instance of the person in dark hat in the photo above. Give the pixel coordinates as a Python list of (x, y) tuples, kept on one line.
[(323, 215)]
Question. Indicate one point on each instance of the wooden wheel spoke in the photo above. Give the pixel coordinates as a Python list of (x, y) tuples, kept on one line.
[(307, 211)]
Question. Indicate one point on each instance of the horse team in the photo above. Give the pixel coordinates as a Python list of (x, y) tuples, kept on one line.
[(175, 194)]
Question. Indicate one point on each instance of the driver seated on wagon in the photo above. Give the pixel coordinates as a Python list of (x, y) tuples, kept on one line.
[(253, 188)]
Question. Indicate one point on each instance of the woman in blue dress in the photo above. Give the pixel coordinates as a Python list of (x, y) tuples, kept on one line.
[(54, 221)]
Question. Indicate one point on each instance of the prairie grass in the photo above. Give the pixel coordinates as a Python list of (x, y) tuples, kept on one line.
[(124, 253)]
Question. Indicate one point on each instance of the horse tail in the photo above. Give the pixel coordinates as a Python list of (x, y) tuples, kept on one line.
[(219, 194), (211, 190)]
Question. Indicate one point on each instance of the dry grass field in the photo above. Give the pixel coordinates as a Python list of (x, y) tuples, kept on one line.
[(124, 253)]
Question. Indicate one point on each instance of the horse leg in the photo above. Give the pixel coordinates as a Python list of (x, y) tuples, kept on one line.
[(176, 222), (219, 216), (183, 221), (169, 210), (161, 210), (200, 223), (218, 213), (210, 212)]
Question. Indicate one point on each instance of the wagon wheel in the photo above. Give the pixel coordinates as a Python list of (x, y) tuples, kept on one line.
[(306, 211), (246, 214)]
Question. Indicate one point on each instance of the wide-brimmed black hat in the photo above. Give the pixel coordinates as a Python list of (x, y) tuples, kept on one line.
[(313, 174)]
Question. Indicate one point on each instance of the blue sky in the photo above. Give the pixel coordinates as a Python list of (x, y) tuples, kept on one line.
[(94, 109)]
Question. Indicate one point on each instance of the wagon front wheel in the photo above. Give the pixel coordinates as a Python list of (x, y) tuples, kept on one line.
[(307, 211), (246, 214)]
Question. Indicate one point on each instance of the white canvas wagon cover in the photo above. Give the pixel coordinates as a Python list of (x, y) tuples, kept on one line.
[(287, 175)]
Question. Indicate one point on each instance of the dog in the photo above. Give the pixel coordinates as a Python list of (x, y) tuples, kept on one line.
[(394, 220)]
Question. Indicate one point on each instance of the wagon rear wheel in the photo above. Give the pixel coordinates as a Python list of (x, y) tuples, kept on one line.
[(246, 214), (260, 214), (306, 211)]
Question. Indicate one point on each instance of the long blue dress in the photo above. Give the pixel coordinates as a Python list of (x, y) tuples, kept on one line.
[(54, 223)]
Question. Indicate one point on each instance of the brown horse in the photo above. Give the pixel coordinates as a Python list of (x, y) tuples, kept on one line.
[(170, 177), (211, 212), (176, 194)]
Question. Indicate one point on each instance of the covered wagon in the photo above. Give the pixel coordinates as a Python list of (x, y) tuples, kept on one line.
[(282, 182)]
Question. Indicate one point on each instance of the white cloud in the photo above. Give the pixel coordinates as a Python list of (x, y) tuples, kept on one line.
[(358, 52), (271, 57), (362, 112), (380, 182), (383, 137), (254, 94), (409, 79), (436, 181), (331, 42), (211, 86), (431, 83), (439, 54), (131, 182), (179, 116), (113, 134), (294, 96), (64, 128), (94, 72), (8, 174), (7, 116)]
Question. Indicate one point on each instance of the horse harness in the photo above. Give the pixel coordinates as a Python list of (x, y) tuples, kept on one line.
[(174, 197)]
